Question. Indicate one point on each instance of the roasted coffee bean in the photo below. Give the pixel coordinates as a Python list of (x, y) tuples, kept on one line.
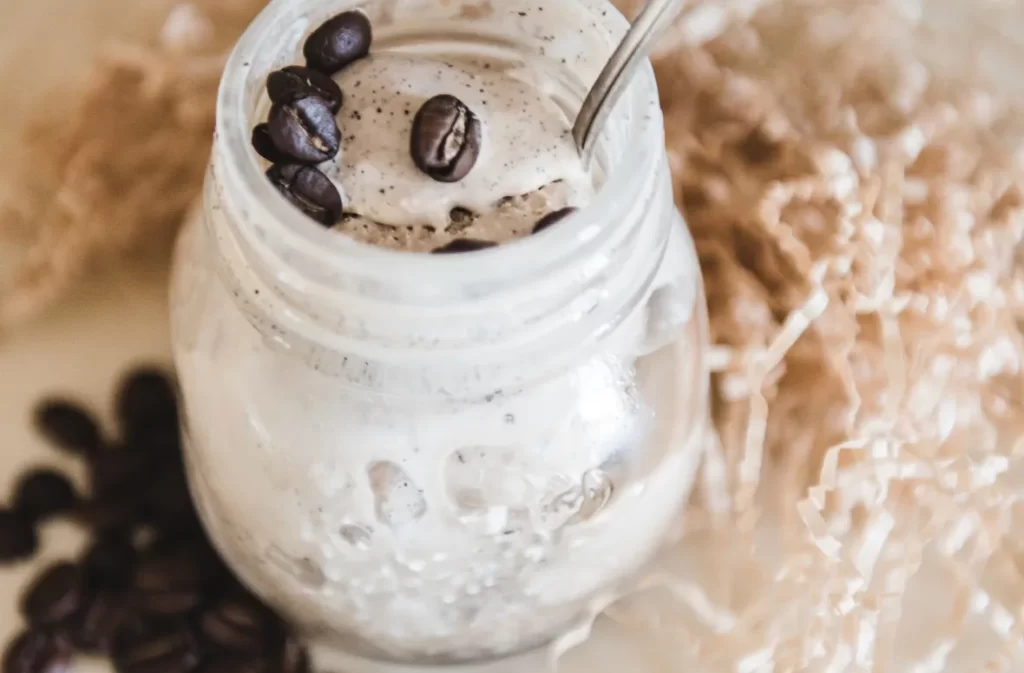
[(68, 426), (41, 494), (110, 561), (166, 443), (552, 219), (294, 82), (264, 146), (55, 595), (446, 139), (36, 652), (175, 573), (293, 657), (463, 245), (305, 130), (309, 190), (158, 441), (118, 514), (157, 648), (146, 403), (184, 526), (140, 589), (168, 586), (121, 472), (93, 629), (338, 42), (167, 501), (227, 663), (18, 539), (239, 624), (156, 573), (192, 549)]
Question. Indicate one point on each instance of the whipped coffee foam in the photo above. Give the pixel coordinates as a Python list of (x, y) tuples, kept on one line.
[(508, 219), (527, 138), (527, 145)]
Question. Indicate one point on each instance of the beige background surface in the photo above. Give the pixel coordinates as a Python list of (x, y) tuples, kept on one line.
[(45, 42), (46, 45), (120, 318), (104, 324)]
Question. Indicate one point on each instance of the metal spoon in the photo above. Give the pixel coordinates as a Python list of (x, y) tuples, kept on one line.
[(656, 16)]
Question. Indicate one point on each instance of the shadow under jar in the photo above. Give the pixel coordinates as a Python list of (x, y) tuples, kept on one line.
[(441, 458)]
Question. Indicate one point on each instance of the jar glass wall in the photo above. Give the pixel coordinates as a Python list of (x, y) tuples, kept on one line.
[(440, 458)]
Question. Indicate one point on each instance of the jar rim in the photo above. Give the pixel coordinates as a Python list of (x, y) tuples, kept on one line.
[(643, 151)]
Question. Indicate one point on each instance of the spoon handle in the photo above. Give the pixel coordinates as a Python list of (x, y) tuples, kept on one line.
[(656, 16)]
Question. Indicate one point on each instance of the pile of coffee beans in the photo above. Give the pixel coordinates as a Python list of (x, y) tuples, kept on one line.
[(302, 128), (149, 592)]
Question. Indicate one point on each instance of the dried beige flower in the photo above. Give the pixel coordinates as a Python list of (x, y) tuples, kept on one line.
[(118, 179), (850, 172)]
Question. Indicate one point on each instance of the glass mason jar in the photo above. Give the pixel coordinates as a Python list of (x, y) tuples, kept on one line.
[(446, 458)]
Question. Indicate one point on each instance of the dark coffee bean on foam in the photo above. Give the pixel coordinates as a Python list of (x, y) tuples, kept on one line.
[(309, 190), (294, 82), (305, 130), (446, 139), (264, 145), (338, 42)]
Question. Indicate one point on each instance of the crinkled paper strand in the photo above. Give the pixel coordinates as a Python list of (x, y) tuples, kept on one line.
[(857, 212)]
